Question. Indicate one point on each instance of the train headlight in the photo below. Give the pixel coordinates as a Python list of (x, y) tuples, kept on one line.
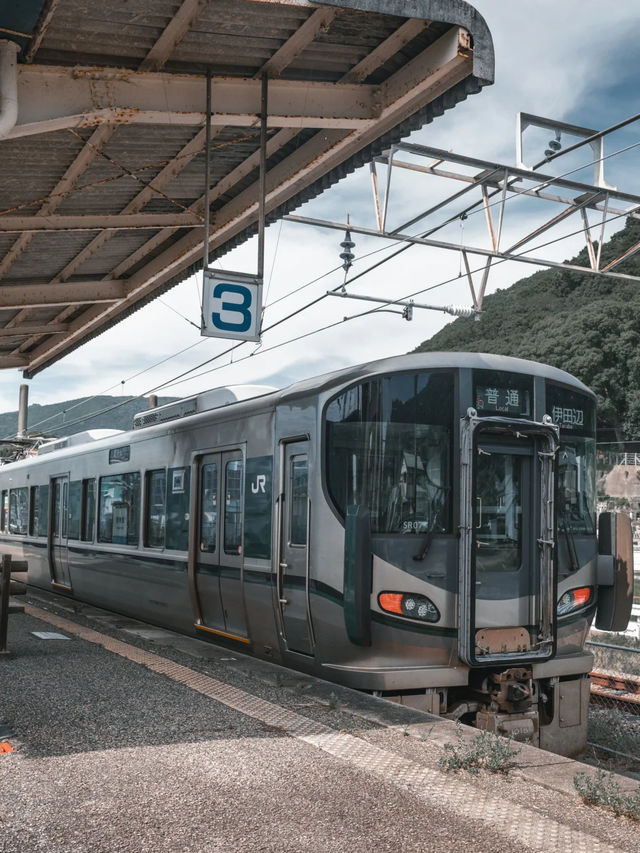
[(575, 599), (409, 605)]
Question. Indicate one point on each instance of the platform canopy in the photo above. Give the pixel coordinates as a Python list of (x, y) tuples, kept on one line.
[(102, 132)]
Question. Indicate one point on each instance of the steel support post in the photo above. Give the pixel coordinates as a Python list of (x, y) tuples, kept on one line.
[(5, 584), (207, 175), (262, 188)]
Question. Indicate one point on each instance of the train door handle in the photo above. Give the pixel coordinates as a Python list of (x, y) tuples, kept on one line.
[(284, 601), (284, 565)]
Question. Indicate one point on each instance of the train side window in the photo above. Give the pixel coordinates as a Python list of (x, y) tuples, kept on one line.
[(177, 534), (33, 511), (4, 511), (42, 519), (39, 517), (18, 511), (298, 505), (233, 478), (64, 509), (119, 511), (209, 508), (88, 509), (155, 520), (75, 509)]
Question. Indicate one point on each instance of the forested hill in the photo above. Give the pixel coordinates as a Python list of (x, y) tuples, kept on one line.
[(587, 325), (58, 418)]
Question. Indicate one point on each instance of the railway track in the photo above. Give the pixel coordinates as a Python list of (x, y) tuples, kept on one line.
[(615, 690)]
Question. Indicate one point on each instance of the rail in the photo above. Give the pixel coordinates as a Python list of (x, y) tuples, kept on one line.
[(631, 649), (616, 691)]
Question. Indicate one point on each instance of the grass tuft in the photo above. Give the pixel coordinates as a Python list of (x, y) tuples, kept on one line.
[(487, 751), (603, 789)]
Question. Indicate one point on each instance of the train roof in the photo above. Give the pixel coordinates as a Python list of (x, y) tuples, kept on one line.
[(190, 408), (432, 360)]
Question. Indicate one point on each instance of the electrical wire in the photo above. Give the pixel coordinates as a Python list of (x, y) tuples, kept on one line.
[(111, 387), (181, 377), (470, 212), (230, 350)]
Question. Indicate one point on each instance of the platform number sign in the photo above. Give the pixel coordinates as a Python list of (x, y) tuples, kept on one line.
[(231, 305)]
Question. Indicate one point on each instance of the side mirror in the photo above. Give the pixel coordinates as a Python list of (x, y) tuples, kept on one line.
[(615, 590)]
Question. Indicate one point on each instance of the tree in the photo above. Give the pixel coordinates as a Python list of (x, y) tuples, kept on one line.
[(586, 325)]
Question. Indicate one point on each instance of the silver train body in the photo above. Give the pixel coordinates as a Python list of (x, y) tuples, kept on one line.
[(421, 527)]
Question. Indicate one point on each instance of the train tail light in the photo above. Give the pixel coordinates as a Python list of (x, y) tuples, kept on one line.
[(409, 605), (575, 599)]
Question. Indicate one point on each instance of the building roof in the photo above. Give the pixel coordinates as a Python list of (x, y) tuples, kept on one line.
[(102, 193)]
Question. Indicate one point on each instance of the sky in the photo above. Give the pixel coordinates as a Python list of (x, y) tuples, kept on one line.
[(563, 59)]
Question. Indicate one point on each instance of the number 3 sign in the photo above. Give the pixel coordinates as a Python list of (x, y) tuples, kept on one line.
[(231, 305)]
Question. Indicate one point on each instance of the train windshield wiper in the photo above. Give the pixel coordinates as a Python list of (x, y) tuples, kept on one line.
[(571, 542), (428, 539)]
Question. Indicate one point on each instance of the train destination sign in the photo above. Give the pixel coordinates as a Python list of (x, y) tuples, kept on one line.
[(231, 305), (511, 401)]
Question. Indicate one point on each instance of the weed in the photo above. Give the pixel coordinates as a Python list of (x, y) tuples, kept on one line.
[(426, 736), (487, 751), (604, 790)]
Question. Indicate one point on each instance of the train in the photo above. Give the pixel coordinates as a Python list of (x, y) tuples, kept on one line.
[(421, 527)]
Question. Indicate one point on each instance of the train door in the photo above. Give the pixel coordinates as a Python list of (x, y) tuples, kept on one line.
[(293, 569), (506, 552), (58, 532), (504, 564), (218, 554)]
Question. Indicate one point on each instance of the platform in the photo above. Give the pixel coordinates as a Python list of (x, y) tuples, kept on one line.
[(131, 738)]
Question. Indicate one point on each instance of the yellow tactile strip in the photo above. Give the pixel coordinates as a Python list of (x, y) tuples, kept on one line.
[(507, 819)]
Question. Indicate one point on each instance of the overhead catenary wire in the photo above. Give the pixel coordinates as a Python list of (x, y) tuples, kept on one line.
[(185, 375), (174, 355), (181, 377), (86, 400)]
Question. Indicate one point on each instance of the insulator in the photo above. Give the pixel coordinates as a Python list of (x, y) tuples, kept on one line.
[(555, 144), (347, 255), (460, 310), (407, 314)]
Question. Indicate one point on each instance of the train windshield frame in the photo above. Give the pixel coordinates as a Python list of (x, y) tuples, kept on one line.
[(388, 447), (575, 414)]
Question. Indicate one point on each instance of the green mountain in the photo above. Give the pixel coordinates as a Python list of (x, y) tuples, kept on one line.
[(58, 419), (587, 325)]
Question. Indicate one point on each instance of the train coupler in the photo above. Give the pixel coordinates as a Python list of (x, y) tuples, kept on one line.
[(524, 728), (512, 691)]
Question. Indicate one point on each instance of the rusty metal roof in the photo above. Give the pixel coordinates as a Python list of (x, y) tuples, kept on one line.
[(101, 196)]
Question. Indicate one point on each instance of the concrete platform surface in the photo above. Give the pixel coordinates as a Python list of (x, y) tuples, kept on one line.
[(131, 738)]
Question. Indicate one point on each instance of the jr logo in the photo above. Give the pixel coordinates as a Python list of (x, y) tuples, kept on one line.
[(259, 484)]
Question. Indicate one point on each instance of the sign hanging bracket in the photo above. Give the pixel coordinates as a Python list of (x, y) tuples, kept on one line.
[(231, 300)]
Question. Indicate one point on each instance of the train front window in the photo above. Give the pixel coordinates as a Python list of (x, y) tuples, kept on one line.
[(576, 416), (498, 524), (388, 448)]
